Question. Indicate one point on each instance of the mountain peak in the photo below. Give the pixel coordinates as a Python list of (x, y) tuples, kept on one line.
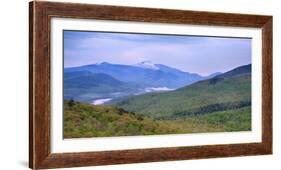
[(102, 63), (147, 65)]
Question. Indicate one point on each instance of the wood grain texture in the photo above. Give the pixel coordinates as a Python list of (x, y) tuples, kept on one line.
[(267, 84), (40, 14), (40, 82), (31, 87)]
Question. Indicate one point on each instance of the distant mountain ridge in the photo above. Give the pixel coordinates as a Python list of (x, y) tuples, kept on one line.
[(82, 78), (245, 69), (86, 86), (109, 81), (238, 71), (148, 74)]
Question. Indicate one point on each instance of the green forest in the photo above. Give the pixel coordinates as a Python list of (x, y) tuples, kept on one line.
[(86, 120)]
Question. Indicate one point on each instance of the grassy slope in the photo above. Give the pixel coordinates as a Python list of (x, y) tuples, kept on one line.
[(84, 120), (190, 98)]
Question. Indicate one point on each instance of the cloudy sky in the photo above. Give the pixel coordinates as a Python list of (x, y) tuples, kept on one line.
[(202, 55)]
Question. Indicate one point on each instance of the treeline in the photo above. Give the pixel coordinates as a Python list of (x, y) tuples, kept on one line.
[(208, 109), (86, 120)]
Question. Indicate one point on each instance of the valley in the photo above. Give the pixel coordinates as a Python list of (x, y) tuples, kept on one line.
[(144, 99)]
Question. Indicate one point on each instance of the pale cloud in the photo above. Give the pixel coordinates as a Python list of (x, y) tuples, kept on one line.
[(203, 55)]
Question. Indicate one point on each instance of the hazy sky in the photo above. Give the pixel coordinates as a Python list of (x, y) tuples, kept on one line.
[(202, 55)]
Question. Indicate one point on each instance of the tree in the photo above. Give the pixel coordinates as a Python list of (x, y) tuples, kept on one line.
[(71, 103)]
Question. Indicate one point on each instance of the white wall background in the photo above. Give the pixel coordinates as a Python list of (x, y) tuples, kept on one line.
[(14, 83)]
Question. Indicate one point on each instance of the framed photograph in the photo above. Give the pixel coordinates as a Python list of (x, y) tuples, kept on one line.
[(114, 85)]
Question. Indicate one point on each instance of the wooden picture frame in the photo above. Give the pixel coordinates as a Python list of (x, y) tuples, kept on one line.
[(40, 14)]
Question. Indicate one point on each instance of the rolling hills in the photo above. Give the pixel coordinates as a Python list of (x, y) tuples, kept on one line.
[(221, 103), (107, 81), (228, 91), (85, 86)]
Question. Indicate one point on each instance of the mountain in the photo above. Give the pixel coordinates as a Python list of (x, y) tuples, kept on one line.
[(227, 91), (105, 81), (237, 71), (147, 65), (144, 73), (86, 86), (85, 79), (218, 104)]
